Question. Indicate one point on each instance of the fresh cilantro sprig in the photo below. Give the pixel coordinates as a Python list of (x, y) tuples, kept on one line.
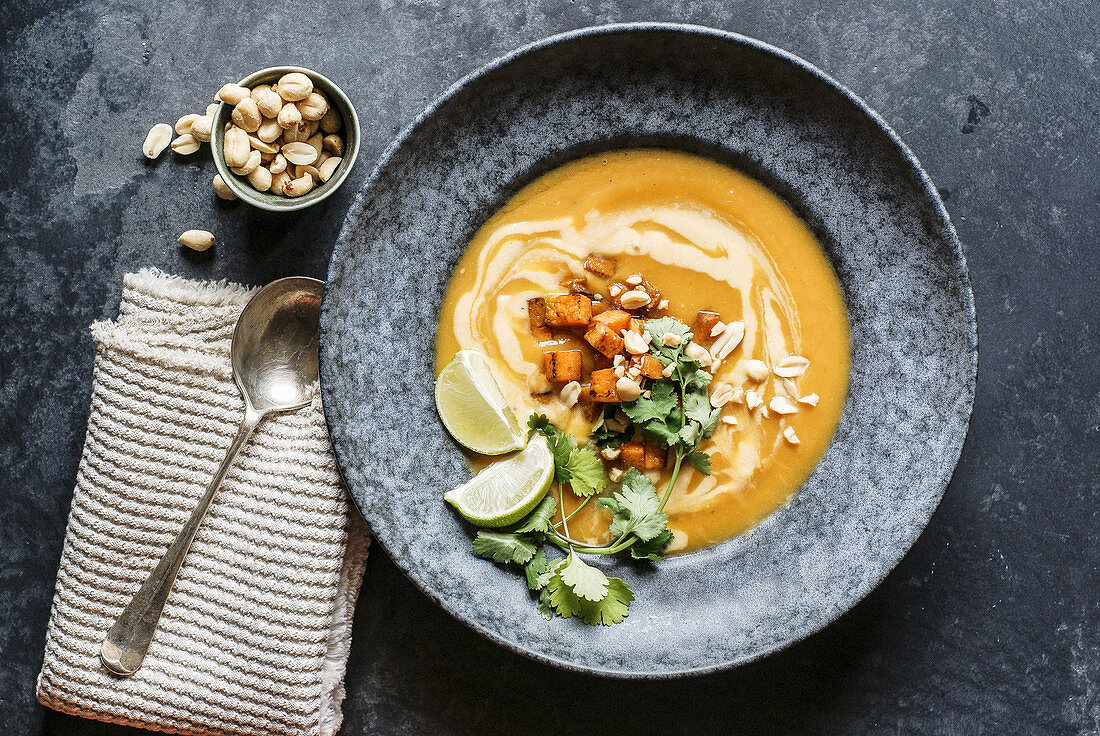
[(635, 508), (676, 413), (577, 467)]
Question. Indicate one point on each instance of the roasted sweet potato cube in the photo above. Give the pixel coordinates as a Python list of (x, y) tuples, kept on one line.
[(588, 406), (577, 285), (562, 366), (604, 339), (705, 321), (632, 455), (600, 265), (568, 310), (616, 319), (654, 295), (536, 317), (603, 389), (638, 325), (643, 455), (615, 291), (655, 455), (648, 365)]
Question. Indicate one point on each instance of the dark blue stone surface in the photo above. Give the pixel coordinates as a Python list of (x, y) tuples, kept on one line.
[(990, 625)]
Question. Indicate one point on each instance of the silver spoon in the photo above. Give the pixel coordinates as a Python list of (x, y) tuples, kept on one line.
[(274, 356)]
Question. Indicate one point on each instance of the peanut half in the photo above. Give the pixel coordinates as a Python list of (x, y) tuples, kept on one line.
[(334, 144), (231, 94), (199, 240), (260, 179), (289, 116), (160, 135), (222, 189), (201, 128), (183, 125), (246, 115), (267, 100), (299, 153), (328, 168), (236, 148), (185, 144), (294, 87), (298, 187)]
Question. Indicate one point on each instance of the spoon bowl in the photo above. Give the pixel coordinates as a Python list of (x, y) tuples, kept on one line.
[(274, 351)]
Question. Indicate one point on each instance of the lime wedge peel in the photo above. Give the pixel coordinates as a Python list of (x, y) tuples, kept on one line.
[(507, 490), (472, 407)]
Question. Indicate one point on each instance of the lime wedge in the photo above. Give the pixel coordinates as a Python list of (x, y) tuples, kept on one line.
[(472, 407), (508, 490)]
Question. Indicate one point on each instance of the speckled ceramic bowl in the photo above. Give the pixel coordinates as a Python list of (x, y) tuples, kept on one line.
[(278, 202), (777, 118)]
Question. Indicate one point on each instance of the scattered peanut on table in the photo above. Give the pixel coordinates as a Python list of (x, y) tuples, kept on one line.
[(199, 240)]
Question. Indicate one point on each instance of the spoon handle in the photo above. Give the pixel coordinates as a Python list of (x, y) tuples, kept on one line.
[(128, 640)]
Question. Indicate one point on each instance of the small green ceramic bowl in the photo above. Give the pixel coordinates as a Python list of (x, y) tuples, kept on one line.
[(277, 202)]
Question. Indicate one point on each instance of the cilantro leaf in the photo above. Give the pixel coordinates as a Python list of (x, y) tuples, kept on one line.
[(561, 597), (612, 608), (689, 435), (537, 423), (586, 472), (658, 327), (635, 508), (665, 432), (585, 581), (662, 400), (701, 461), (545, 608), (695, 378), (560, 445), (504, 547), (561, 448), (651, 550), (539, 519), (537, 571), (711, 424), (697, 406)]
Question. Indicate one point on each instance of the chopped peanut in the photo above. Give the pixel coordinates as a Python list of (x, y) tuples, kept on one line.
[(620, 290), (562, 366)]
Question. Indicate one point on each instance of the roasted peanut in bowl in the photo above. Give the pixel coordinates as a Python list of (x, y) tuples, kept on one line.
[(283, 138)]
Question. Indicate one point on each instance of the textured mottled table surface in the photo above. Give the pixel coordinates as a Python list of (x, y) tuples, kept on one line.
[(990, 625)]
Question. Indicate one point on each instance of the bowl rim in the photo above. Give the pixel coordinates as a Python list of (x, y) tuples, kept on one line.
[(263, 200), (943, 221)]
